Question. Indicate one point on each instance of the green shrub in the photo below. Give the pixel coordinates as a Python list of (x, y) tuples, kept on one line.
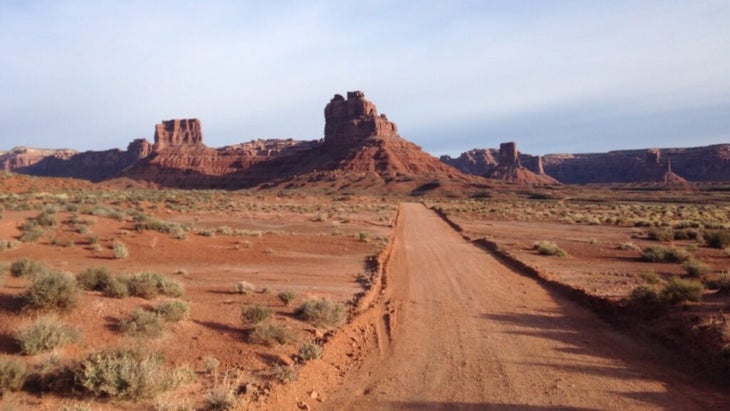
[(660, 234), (117, 287), (221, 397), (46, 333), (678, 290), (244, 287), (150, 285), (12, 374), (51, 291), (256, 314), (651, 277), (173, 310), (363, 236), (645, 295), (46, 219), (268, 333), (686, 234), (717, 238), (323, 313), (310, 351), (287, 296), (27, 268), (549, 248), (695, 268), (94, 278), (30, 233), (127, 374), (661, 254), (120, 250), (284, 373), (143, 323)]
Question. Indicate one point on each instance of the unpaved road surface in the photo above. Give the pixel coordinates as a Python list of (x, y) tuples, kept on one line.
[(466, 332)]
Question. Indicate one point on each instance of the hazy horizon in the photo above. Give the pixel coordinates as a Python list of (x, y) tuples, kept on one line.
[(556, 77)]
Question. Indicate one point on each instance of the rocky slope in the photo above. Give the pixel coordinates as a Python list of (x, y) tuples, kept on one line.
[(670, 165)]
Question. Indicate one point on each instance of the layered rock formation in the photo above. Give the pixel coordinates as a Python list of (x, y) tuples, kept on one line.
[(506, 164), (176, 133), (351, 121), (21, 157)]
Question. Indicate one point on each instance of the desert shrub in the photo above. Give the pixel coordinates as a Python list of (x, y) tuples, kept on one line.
[(323, 313), (310, 351), (221, 397), (94, 278), (284, 373), (244, 287), (661, 254), (143, 323), (150, 285), (549, 248), (287, 296), (645, 295), (660, 234), (173, 310), (30, 234), (678, 290), (27, 268), (51, 291), (651, 277), (46, 219), (120, 250), (268, 333), (629, 246), (116, 288), (256, 314), (717, 238), (46, 333), (695, 268), (50, 373), (210, 364), (12, 374), (9, 244), (127, 374), (686, 234), (363, 236)]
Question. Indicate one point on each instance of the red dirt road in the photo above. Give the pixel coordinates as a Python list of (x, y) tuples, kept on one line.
[(467, 332)]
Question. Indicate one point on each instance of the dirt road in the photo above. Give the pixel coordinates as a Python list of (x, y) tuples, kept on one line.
[(467, 332)]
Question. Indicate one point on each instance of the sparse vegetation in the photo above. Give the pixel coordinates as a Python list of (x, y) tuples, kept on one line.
[(51, 291), (12, 374), (663, 234), (143, 323), (94, 278), (679, 290), (221, 397), (150, 285), (310, 351), (323, 313), (287, 296), (244, 287), (120, 250), (268, 333), (27, 268), (256, 314), (284, 373), (549, 248), (173, 310), (662, 254), (695, 268), (717, 238), (127, 374), (46, 333)]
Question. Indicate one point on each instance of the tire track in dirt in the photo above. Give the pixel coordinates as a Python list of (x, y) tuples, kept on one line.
[(470, 333)]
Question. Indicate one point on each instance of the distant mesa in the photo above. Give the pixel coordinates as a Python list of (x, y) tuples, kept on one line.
[(351, 121), (178, 133)]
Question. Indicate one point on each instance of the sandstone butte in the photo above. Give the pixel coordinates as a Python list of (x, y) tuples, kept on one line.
[(361, 151)]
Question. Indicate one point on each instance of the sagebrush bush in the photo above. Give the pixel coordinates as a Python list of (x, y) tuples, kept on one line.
[(310, 351), (117, 287), (662, 254), (244, 287), (173, 310), (46, 333), (660, 234), (721, 283), (645, 295), (143, 323), (284, 373), (549, 248), (30, 234), (268, 333), (127, 374), (27, 268), (94, 278), (12, 374), (717, 238), (120, 250), (323, 313), (678, 290), (695, 268), (686, 234), (150, 285), (221, 397), (51, 291), (287, 296), (256, 314)]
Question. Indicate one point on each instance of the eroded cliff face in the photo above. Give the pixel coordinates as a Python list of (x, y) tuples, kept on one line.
[(352, 121), (506, 164)]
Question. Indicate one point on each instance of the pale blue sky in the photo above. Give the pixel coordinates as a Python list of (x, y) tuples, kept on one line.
[(555, 76)]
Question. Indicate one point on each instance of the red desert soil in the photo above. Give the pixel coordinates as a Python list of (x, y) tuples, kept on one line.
[(456, 329)]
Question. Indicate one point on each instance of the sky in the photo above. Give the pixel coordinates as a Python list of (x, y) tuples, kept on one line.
[(554, 76)]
